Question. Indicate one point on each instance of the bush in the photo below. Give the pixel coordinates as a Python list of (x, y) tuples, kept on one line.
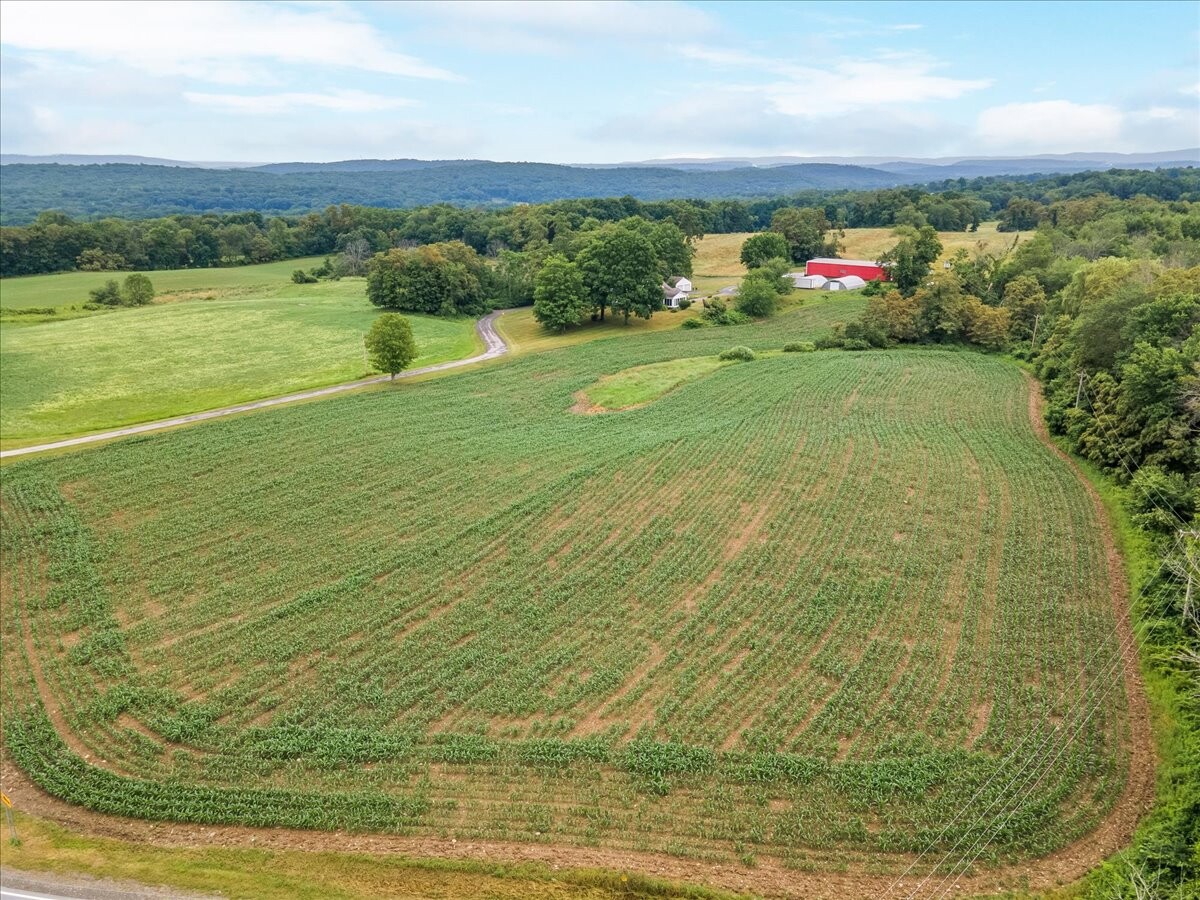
[(757, 296), (300, 277), (685, 303), (108, 295), (855, 344), (740, 354), (799, 347), (696, 323), (863, 331), (717, 313)]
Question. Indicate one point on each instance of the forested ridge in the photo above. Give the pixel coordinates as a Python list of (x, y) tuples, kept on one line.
[(56, 242), (138, 190)]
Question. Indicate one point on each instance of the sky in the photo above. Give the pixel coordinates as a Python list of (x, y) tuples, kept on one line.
[(596, 82)]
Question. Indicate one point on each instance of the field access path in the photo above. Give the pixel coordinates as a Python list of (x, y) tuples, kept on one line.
[(494, 345)]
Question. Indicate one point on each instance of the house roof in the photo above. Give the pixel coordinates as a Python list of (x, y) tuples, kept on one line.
[(845, 262)]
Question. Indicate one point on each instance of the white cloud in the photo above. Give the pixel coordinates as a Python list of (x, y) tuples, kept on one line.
[(560, 26), (1049, 126), (347, 101), (843, 85), (219, 41)]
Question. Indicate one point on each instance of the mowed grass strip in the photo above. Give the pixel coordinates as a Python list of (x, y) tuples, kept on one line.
[(641, 384), (265, 874), (135, 365), (799, 609)]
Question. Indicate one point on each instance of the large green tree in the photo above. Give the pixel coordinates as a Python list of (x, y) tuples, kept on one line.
[(444, 279), (758, 248), (559, 296), (805, 231), (1025, 299), (621, 272), (910, 261), (390, 344)]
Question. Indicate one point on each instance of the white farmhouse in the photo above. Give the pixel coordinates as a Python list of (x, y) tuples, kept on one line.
[(674, 290)]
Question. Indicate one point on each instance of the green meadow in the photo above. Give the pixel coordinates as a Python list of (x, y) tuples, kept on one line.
[(257, 338)]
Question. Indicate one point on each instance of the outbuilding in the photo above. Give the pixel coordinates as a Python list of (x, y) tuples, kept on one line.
[(809, 282), (837, 268), (845, 283)]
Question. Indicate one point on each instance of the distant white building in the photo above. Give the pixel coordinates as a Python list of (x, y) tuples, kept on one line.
[(675, 290), (809, 282), (845, 283)]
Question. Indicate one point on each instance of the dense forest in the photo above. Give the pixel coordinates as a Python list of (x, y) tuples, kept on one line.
[(141, 191), (55, 242), (130, 190)]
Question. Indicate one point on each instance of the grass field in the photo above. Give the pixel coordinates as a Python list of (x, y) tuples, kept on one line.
[(791, 613), (71, 288), (642, 384), (267, 874), (717, 260), (135, 365)]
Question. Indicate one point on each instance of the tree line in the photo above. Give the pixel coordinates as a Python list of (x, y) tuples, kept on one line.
[(55, 242), (615, 266)]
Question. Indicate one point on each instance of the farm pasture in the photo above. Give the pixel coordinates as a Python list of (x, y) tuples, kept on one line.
[(62, 378)]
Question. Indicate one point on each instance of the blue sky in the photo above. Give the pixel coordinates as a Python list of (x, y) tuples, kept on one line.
[(596, 81)]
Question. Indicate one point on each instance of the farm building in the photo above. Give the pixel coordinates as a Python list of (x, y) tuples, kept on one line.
[(845, 283), (674, 290), (811, 282), (836, 268), (672, 296)]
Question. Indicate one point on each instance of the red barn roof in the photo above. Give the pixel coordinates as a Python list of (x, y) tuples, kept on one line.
[(835, 268)]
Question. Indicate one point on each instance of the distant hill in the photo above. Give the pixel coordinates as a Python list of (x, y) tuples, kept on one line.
[(145, 189), (137, 191), (366, 165), (84, 159), (986, 165)]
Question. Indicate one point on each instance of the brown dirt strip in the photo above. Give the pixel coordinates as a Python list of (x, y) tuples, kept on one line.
[(768, 878)]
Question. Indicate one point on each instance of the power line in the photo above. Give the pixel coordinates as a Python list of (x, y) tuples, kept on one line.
[(1011, 757)]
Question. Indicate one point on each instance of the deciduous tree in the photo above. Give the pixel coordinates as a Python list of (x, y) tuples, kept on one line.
[(137, 290), (559, 297), (758, 248), (621, 272), (390, 344)]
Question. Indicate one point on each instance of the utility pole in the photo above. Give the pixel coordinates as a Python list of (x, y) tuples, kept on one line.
[(1079, 390), (1033, 340)]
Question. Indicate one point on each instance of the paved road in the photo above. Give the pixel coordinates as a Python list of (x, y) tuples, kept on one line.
[(493, 346), (15, 885)]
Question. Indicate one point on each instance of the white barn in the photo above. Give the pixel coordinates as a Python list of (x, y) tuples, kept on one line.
[(845, 283)]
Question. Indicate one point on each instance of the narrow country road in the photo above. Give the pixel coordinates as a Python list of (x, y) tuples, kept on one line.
[(493, 346)]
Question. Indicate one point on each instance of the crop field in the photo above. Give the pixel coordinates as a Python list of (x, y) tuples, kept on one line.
[(791, 613), (135, 365)]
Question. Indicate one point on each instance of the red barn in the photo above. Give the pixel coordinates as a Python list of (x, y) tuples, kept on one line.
[(836, 268)]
